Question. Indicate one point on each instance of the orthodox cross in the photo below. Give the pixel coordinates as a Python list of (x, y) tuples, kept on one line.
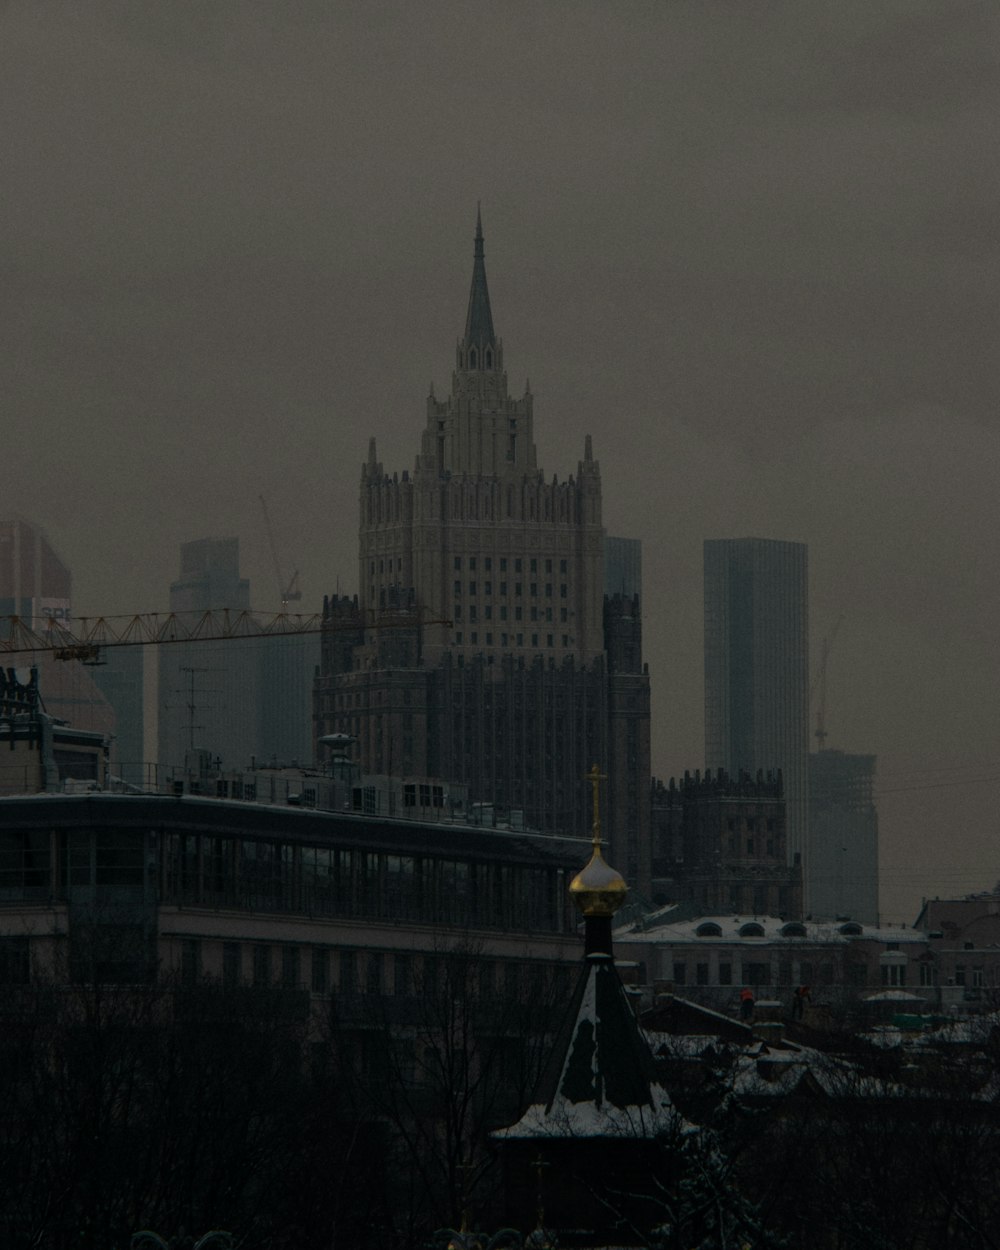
[(540, 1165), (595, 777)]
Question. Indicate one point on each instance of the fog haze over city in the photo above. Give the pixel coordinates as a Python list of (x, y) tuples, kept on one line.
[(750, 248)]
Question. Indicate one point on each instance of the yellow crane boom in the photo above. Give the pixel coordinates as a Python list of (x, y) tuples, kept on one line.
[(90, 635)]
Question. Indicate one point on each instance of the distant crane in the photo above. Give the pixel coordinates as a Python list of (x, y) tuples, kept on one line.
[(92, 634), (288, 593), (819, 684)]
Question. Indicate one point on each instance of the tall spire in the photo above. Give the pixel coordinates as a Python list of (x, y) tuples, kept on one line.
[(479, 319)]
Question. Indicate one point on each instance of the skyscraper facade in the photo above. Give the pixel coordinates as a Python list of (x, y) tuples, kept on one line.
[(36, 585), (119, 677), (492, 666), (239, 699), (757, 670), (843, 828), (208, 690)]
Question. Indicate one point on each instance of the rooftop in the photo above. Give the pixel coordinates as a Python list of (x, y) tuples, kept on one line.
[(672, 924)]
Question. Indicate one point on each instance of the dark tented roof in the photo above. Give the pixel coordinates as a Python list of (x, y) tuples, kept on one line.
[(600, 1080), (479, 318)]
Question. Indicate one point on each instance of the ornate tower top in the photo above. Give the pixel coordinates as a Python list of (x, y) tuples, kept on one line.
[(479, 355), (479, 333), (478, 430)]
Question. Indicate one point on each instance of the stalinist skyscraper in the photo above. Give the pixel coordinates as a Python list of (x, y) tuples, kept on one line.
[(509, 668)]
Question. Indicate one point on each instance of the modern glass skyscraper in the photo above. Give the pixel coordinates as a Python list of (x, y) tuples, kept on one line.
[(843, 826), (36, 585), (757, 669), (208, 691), (239, 699)]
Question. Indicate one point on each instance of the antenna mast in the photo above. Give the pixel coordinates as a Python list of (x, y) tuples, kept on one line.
[(821, 734)]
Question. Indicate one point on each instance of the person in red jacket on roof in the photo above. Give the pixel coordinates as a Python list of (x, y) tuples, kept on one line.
[(746, 1003)]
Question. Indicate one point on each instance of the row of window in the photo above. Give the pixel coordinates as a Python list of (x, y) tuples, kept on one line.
[(971, 977), (273, 876), (509, 640), (108, 857), (751, 824), (753, 847), (471, 564), (283, 877), (371, 698), (758, 973), (534, 613), (503, 589), (343, 971)]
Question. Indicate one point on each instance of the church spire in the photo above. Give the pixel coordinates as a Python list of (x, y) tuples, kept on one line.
[(479, 334)]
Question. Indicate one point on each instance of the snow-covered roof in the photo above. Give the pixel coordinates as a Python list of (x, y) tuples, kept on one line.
[(586, 1119), (601, 1079), (671, 924), (894, 996), (685, 1045), (778, 1073), (884, 1037)]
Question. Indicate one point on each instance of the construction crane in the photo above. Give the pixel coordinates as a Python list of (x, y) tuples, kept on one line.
[(288, 593), (820, 684), (91, 635)]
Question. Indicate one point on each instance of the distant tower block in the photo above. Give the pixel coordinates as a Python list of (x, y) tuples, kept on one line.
[(757, 670), (843, 825)]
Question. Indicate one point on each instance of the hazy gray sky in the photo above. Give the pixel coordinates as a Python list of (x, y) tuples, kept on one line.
[(750, 247)]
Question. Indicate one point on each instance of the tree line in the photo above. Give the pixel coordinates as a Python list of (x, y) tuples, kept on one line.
[(367, 1124)]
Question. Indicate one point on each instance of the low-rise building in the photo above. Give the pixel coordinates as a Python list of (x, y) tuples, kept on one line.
[(963, 956), (129, 888), (710, 958)]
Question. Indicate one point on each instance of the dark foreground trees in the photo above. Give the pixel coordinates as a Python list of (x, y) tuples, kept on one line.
[(131, 1108), (191, 1108), (440, 1070), (256, 1110), (856, 1155), (137, 1107)]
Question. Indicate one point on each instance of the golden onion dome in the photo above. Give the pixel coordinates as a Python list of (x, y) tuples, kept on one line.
[(598, 890)]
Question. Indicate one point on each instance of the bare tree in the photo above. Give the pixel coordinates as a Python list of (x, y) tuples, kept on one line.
[(441, 1068)]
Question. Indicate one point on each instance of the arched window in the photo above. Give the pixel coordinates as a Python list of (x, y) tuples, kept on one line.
[(752, 930), (489, 359), (708, 929), (794, 928), (851, 929), (472, 359)]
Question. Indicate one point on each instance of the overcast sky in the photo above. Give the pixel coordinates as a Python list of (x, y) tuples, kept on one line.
[(750, 247)]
